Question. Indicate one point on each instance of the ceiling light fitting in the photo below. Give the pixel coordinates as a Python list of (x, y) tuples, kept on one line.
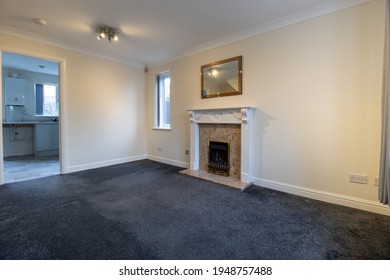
[(107, 32)]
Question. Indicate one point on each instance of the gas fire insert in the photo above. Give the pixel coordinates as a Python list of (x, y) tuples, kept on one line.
[(219, 155)]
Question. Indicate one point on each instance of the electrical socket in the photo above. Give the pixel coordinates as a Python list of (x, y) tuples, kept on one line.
[(359, 179), (159, 148), (187, 152), (376, 181)]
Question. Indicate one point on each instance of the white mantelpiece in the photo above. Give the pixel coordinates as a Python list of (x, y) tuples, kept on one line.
[(242, 116)]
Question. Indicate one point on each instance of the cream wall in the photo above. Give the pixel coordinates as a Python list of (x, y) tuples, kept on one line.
[(102, 115), (317, 88)]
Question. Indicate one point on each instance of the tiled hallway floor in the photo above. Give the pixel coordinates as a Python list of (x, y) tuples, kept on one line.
[(28, 167)]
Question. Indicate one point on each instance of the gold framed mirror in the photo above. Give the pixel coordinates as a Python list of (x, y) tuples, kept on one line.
[(221, 78)]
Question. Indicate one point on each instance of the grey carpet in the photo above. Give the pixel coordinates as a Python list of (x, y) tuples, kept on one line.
[(147, 210)]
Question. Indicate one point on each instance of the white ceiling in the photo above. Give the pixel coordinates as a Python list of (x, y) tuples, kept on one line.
[(153, 31), (32, 64)]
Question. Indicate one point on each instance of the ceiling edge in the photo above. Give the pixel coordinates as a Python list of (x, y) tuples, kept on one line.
[(308, 14), (324, 9), (45, 40)]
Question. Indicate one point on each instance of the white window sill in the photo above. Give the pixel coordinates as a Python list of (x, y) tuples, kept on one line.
[(162, 128)]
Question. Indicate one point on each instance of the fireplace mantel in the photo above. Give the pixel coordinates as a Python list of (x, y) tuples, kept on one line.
[(237, 115)]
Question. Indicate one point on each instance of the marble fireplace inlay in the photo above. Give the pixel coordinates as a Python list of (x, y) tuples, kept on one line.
[(234, 125), (230, 133)]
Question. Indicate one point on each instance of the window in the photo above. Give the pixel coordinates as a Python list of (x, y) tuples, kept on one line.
[(46, 100), (163, 101)]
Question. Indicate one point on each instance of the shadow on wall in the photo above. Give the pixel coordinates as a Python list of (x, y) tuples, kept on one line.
[(261, 121)]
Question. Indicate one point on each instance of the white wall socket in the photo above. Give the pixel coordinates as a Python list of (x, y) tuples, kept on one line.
[(359, 179), (159, 148)]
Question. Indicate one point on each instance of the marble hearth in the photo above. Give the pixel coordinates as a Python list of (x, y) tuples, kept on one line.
[(234, 125)]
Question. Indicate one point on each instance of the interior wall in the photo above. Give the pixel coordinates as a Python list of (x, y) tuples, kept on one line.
[(102, 105), (317, 89)]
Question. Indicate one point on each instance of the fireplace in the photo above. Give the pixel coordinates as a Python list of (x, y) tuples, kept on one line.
[(234, 125), (219, 158)]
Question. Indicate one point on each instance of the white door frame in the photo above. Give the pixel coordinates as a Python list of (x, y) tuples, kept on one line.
[(62, 114)]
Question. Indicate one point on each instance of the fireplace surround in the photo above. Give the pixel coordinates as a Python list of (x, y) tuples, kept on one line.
[(242, 116)]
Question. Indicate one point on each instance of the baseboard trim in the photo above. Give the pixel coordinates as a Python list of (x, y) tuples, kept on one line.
[(353, 202), (99, 164), (169, 161)]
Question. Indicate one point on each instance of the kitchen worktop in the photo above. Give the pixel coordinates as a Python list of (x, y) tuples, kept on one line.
[(29, 122), (31, 137)]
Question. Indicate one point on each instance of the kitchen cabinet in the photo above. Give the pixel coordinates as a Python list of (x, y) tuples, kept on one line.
[(46, 139)]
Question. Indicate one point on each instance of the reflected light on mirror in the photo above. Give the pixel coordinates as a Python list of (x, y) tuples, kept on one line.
[(213, 72)]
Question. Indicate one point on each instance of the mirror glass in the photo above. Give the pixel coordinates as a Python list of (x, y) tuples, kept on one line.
[(221, 78)]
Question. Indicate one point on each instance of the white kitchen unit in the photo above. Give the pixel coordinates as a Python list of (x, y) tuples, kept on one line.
[(46, 139), (18, 139), (15, 91)]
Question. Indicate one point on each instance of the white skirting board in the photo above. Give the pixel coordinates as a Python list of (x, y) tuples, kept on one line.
[(169, 161), (353, 202), (99, 164)]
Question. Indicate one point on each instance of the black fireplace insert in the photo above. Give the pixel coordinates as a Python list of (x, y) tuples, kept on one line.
[(219, 155)]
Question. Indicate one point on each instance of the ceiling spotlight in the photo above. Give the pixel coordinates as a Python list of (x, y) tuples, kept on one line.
[(110, 33)]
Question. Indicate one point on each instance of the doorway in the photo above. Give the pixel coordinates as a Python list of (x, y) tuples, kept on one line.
[(30, 117)]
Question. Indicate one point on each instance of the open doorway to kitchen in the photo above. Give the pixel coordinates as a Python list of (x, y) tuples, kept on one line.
[(30, 117)]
